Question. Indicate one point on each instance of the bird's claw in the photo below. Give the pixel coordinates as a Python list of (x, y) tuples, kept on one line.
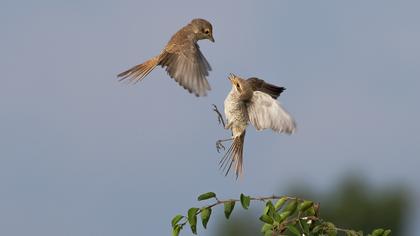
[(219, 115), (219, 119), (219, 145)]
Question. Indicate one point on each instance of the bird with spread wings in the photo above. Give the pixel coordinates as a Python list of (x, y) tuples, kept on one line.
[(252, 100), (182, 58)]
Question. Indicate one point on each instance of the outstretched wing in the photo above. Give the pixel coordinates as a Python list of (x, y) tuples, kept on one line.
[(186, 65), (270, 89), (265, 112)]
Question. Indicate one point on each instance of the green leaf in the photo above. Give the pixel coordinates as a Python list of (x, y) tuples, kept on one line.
[(284, 215), (266, 227), (176, 219), (387, 232), (291, 207), (194, 229), (378, 232), (245, 201), (265, 211), (330, 229), (205, 216), (311, 211), (293, 230), (192, 212), (176, 229), (269, 233), (192, 219), (206, 196), (280, 203), (271, 209), (266, 219), (229, 208), (305, 205), (277, 217), (317, 228), (305, 226), (352, 233)]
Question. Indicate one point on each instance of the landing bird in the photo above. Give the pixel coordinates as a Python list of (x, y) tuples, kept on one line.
[(182, 58), (252, 100)]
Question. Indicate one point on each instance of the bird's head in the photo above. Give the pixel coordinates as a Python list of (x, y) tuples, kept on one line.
[(241, 86), (202, 29)]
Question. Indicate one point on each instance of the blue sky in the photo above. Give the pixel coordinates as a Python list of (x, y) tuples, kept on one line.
[(82, 154)]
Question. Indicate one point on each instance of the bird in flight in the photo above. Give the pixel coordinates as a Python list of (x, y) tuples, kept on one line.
[(182, 58), (250, 100)]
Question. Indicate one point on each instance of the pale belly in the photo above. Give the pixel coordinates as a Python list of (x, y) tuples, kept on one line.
[(237, 115)]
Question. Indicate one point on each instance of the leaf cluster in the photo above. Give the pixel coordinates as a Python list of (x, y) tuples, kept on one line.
[(281, 215)]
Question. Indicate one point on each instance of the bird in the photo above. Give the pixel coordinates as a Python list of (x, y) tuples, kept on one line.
[(250, 101), (182, 58)]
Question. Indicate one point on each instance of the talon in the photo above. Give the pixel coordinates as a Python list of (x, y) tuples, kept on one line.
[(219, 115), (219, 146)]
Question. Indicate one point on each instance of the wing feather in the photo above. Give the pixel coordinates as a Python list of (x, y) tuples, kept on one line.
[(186, 65), (265, 112), (260, 85)]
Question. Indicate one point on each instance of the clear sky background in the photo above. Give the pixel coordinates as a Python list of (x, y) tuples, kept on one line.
[(82, 154)]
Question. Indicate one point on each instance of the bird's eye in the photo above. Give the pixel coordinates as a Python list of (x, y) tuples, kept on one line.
[(207, 31), (237, 85)]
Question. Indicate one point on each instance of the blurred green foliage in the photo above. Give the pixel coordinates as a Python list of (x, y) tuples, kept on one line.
[(352, 204)]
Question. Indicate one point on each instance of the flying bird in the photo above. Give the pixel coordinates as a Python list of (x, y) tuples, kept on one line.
[(182, 58), (252, 100)]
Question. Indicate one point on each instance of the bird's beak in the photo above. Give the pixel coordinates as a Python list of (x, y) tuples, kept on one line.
[(211, 38), (231, 77)]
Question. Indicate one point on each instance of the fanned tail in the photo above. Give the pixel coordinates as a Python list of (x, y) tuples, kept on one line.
[(234, 154), (138, 72)]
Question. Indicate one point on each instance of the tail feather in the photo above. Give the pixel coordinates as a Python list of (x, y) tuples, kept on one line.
[(234, 155), (226, 161), (138, 72)]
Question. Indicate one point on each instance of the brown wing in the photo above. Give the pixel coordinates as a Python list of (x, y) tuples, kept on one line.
[(270, 89), (186, 64)]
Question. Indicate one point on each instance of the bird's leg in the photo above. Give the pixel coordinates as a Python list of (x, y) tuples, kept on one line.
[(219, 144), (219, 116)]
